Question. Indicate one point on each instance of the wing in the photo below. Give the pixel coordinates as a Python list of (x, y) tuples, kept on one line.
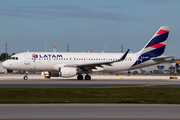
[(90, 66)]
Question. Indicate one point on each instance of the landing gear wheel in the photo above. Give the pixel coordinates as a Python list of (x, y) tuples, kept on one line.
[(25, 77), (87, 77), (80, 77)]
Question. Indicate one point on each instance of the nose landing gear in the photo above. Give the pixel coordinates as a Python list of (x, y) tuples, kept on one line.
[(25, 77)]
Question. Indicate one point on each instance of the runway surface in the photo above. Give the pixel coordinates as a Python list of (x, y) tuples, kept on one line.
[(37, 81), (89, 111)]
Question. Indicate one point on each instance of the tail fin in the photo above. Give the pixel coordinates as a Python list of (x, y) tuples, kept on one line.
[(156, 46)]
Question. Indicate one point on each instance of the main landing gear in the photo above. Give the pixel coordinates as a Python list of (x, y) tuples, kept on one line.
[(87, 77), (80, 77)]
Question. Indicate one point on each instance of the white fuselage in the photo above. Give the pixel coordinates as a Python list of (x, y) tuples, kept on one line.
[(48, 61)]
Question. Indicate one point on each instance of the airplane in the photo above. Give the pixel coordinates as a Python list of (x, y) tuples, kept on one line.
[(62, 64)]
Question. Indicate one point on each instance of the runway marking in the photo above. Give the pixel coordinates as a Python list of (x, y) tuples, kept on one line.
[(133, 86)]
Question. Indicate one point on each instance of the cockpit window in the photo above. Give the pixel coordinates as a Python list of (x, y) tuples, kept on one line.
[(13, 58)]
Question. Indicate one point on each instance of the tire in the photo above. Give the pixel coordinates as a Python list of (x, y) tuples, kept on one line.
[(80, 77), (87, 77), (25, 77)]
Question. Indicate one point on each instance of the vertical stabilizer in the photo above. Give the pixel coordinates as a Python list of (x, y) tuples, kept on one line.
[(155, 47)]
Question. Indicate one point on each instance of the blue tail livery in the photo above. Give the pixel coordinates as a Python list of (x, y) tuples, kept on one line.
[(155, 47)]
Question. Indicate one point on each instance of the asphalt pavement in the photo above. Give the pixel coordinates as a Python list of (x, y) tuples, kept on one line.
[(37, 81)]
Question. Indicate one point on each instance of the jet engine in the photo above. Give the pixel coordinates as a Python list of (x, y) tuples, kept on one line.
[(67, 71), (64, 72)]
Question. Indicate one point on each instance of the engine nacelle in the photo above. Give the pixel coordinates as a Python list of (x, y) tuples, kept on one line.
[(64, 72), (67, 72)]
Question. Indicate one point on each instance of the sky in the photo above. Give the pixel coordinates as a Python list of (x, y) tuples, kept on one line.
[(86, 24)]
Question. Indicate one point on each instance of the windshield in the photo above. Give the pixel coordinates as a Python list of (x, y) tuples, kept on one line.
[(13, 58)]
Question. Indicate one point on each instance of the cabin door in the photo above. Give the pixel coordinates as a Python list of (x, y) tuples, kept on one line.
[(26, 59)]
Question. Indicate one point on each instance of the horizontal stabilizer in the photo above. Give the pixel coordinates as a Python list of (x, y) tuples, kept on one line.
[(163, 58)]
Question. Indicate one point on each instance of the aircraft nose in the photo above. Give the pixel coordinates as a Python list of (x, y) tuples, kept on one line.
[(4, 64)]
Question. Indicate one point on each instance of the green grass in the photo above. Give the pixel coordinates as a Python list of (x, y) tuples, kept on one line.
[(90, 95)]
